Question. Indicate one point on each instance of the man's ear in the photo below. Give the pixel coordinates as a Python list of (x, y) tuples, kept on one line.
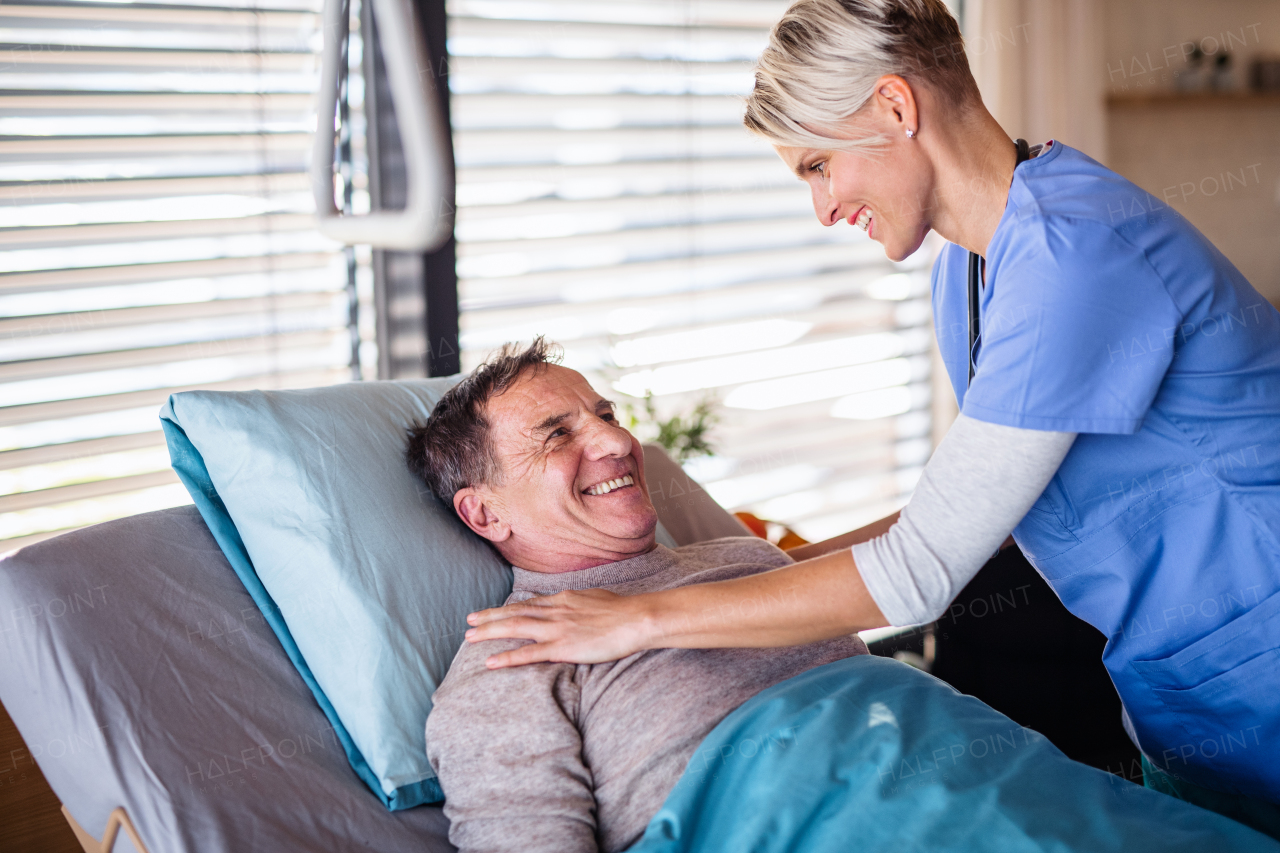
[(475, 508)]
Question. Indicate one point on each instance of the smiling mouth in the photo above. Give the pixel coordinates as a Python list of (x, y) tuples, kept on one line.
[(862, 220), (610, 486)]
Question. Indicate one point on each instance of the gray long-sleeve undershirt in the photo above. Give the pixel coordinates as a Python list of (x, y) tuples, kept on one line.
[(981, 481)]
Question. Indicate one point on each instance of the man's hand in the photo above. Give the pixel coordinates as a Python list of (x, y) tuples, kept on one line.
[(577, 626)]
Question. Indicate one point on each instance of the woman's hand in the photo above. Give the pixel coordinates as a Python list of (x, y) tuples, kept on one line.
[(577, 626), (819, 599)]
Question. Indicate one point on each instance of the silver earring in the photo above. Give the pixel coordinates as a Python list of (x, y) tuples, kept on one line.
[(911, 134)]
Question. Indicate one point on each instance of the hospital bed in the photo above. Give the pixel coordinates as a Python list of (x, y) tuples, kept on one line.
[(166, 716), (163, 710)]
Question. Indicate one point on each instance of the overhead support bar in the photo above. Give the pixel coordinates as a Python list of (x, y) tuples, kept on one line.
[(426, 223)]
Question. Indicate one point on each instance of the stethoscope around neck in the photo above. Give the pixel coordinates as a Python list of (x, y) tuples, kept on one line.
[(976, 266)]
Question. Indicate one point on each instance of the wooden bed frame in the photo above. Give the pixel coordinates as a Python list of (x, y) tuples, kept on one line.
[(31, 818), (117, 820)]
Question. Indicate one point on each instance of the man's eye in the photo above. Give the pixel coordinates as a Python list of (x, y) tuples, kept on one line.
[(608, 416), (559, 432)]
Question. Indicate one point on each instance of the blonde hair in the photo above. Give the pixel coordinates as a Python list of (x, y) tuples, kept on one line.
[(825, 56)]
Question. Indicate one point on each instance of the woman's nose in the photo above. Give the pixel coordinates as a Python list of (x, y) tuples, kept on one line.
[(826, 207)]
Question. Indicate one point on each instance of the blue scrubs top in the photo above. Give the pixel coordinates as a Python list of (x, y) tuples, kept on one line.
[(1106, 313)]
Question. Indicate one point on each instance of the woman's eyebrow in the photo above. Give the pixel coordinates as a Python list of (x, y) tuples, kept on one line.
[(799, 166)]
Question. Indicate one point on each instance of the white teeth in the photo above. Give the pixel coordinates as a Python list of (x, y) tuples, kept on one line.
[(609, 485), (864, 219)]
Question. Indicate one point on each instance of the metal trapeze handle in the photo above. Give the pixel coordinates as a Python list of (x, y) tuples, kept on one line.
[(426, 223)]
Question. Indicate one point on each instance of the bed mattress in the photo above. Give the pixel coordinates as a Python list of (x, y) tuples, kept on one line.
[(141, 674)]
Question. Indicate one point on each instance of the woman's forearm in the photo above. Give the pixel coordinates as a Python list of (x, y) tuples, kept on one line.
[(818, 599), (844, 540)]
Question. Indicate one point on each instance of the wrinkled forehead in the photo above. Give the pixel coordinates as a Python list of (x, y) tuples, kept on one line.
[(538, 395)]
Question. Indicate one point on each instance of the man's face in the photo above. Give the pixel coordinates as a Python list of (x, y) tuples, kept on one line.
[(560, 448)]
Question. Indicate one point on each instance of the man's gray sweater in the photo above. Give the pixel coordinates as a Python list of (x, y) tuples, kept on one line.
[(564, 757)]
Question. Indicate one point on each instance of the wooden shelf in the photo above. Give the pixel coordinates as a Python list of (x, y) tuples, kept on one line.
[(1161, 98)]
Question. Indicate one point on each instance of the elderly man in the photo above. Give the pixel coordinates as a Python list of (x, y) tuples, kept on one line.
[(564, 757)]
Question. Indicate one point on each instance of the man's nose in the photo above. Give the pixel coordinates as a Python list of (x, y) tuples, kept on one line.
[(605, 439)]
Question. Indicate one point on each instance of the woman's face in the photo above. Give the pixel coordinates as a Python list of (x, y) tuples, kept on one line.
[(889, 191)]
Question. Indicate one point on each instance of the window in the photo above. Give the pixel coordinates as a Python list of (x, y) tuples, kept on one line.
[(155, 235), (609, 198)]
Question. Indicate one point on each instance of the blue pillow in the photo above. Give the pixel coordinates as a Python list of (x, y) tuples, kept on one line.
[(363, 575)]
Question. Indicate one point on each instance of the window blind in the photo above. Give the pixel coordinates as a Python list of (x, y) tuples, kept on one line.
[(609, 198), (155, 236)]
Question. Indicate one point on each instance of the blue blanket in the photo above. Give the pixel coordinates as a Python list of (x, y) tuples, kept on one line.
[(869, 754)]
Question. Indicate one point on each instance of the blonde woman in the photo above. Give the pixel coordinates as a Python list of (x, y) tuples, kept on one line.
[(1119, 390)]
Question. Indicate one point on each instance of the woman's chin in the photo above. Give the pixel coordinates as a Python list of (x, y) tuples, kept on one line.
[(898, 252)]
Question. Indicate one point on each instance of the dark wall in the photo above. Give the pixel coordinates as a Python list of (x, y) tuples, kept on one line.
[(1010, 642)]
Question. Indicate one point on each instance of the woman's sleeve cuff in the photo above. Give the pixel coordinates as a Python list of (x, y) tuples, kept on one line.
[(886, 591)]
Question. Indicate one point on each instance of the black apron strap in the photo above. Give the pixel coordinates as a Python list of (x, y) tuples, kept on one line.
[(976, 265)]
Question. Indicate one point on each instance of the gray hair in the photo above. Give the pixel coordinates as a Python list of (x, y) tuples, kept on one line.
[(825, 56), (453, 449)]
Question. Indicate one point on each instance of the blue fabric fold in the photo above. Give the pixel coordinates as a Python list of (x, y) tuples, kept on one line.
[(870, 754)]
